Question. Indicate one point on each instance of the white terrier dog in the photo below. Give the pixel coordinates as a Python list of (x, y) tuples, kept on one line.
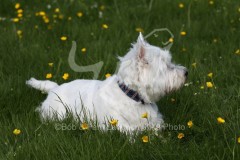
[(145, 75)]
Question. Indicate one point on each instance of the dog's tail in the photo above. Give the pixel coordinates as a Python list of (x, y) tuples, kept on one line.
[(44, 86)]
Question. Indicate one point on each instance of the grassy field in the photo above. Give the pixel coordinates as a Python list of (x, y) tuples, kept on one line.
[(106, 29)]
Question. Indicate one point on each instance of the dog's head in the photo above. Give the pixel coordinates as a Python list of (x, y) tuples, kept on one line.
[(148, 69)]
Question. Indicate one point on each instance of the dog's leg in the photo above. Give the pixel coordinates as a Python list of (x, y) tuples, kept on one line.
[(44, 86)]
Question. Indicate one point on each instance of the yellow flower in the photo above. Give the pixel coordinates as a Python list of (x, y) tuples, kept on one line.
[(16, 131), (19, 32), (220, 120), (19, 15), (190, 124), (170, 40), (50, 64), (84, 126), (237, 51), (65, 76), (15, 19), (105, 26), (17, 5), (180, 135), (19, 11), (42, 13), (108, 75), (49, 75), (183, 33), (69, 18), (139, 29), (202, 87), (79, 14), (57, 10), (211, 2), (181, 5), (194, 65), (145, 115), (209, 84), (238, 139), (63, 38), (184, 49), (145, 139), (46, 19), (210, 74), (113, 122), (83, 49)]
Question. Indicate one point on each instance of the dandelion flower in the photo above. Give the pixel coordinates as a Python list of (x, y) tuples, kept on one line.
[(65, 76), (170, 40), (19, 32), (63, 38), (237, 51), (209, 84), (145, 115), (79, 14), (238, 140), (220, 120), (139, 29), (16, 131), (183, 33), (42, 13), (105, 26), (211, 2), (84, 126), (17, 5), (46, 19), (190, 124), (50, 64), (83, 50), (57, 10), (210, 74), (194, 65), (113, 122), (19, 11), (145, 139), (180, 135), (181, 5), (108, 75), (15, 20), (49, 75), (19, 15)]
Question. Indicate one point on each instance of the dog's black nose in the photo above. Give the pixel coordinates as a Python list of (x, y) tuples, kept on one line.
[(186, 73)]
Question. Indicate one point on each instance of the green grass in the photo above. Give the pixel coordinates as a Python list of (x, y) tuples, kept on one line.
[(29, 56)]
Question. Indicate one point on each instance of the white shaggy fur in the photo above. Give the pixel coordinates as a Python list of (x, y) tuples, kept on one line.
[(145, 68)]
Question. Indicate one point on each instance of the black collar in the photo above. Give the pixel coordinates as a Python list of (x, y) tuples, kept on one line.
[(130, 93)]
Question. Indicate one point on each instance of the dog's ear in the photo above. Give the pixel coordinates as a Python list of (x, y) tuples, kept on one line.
[(140, 47)]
